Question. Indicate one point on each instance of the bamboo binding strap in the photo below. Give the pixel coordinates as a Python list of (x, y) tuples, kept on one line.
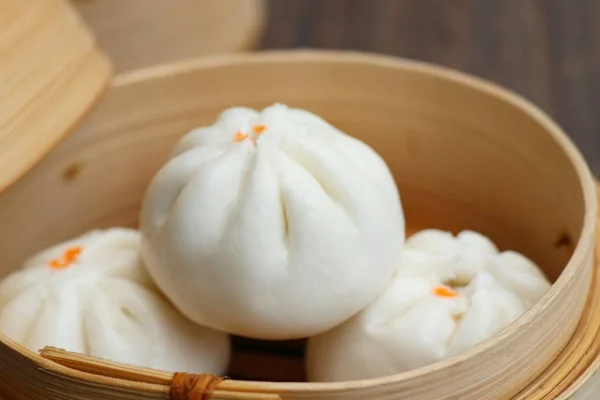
[(193, 387), (178, 386)]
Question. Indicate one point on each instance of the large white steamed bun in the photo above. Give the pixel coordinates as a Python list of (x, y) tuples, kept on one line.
[(92, 295), (449, 294), (272, 224)]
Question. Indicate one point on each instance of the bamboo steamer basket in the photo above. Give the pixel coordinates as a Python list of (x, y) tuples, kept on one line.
[(465, 153), (140, 33)]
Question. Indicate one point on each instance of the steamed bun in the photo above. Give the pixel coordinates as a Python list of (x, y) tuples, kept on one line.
[(272, 224), (449, 294), (92, 295)]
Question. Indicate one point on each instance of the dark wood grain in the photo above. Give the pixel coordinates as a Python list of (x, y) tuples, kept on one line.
[(546, 50)]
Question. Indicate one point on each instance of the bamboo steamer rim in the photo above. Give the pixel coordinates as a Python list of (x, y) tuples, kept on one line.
[(580, 357), (586, 179)]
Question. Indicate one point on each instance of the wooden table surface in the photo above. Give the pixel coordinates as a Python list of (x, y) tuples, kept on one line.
[(546, 50)]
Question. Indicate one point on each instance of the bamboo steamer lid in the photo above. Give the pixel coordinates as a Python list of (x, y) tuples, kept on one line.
[(137, 139), (57, 57), (51, 74)]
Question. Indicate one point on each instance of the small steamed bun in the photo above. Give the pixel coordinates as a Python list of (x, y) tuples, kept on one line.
[(92, 295), (449, 294), (272, 224)]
